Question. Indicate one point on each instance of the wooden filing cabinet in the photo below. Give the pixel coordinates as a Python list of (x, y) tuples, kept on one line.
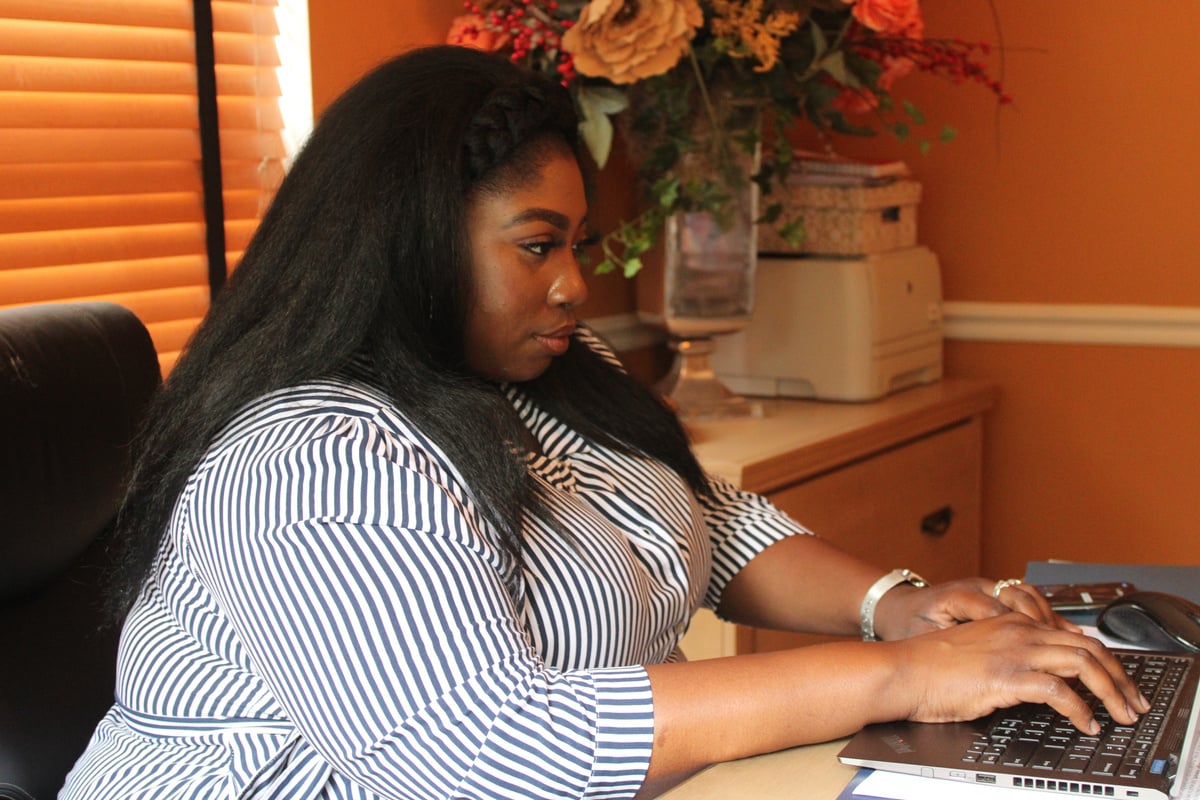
[(895, 482)]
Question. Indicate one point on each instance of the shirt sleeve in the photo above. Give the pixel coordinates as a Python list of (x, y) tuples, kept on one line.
[(741, 525), (355, 570)]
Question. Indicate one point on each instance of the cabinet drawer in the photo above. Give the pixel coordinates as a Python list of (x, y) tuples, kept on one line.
[(916, 506)]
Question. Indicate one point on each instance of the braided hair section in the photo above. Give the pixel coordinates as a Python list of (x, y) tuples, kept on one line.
[(512, 116)]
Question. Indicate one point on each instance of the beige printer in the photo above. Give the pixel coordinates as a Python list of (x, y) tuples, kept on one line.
[(837, 328)]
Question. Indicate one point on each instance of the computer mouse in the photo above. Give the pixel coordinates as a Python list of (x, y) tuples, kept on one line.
[(1153, 620)]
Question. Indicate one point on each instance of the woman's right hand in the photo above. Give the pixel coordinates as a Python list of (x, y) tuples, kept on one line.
[(969, 670)]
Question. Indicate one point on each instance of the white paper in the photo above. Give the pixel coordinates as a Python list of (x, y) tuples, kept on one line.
[(1095, 633)]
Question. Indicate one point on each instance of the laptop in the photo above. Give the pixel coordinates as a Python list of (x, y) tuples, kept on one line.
[(1031, 746)]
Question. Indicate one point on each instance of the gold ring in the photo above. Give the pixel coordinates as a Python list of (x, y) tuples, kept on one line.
[(1002, 585)]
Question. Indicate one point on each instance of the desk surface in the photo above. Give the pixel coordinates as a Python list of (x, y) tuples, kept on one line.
[(802, 773), (797, 439)]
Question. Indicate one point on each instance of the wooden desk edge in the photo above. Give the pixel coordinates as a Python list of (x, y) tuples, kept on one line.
[(801, 773), (898, 418)]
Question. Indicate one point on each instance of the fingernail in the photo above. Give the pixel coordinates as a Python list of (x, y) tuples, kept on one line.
[(1145, 703), (1129, 710), (1093, 727)]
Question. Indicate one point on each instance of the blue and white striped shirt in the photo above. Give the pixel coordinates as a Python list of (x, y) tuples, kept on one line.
[(328, 617)]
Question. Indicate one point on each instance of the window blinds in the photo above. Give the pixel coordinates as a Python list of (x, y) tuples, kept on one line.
[(100, 182)]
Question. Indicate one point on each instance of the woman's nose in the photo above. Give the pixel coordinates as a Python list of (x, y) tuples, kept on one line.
[(569, 288)]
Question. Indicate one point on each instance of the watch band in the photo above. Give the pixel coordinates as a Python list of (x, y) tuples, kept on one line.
[(866, 613)]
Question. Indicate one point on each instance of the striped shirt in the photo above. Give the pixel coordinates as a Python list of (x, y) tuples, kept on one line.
[(328, 617)]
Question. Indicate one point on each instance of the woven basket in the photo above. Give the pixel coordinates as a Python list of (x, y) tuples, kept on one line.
[(849, 220)]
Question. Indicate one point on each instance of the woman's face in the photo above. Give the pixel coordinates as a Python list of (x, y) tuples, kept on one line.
[(525, 245)]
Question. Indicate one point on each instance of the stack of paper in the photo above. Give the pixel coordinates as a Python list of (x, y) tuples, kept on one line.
[(846, 172)]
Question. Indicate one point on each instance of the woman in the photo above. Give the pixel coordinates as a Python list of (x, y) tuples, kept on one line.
[(400, 527)]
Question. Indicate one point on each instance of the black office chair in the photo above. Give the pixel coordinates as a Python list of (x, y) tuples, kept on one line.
[(75, 379)]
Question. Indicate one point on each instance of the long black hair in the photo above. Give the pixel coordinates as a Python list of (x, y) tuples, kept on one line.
[(364, 256)]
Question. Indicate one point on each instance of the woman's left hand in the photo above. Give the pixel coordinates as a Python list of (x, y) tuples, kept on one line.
[(907, 611)]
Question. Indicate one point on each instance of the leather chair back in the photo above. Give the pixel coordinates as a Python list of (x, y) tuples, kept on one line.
[(75, 379)]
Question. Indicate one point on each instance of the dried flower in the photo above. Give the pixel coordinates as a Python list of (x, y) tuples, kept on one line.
[(754, 36), (626, 41)]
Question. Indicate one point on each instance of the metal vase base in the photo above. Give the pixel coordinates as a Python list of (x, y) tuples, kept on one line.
[(695, 390)]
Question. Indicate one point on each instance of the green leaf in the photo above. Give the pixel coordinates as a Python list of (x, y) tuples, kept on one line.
[(820, 45), (793, 232), (772, 213), (596, 104), (604, 267), (835, 65), (924, 146), (914, 113), (948, 133), (632, 267), (667, 191)]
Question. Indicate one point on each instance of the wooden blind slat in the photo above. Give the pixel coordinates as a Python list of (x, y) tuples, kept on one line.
[(48, 74), (97, 211), (45, 284), (77, 110), (244, 50), (72, 40), (252, 18), (251, 145), (256, 174), (43, 249), (250, 113), (88, 144), (102, 211), (163, 305), (140, 13), (236, 79), (100, 177)]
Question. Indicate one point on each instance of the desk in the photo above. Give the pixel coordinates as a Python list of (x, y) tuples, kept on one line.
[(896, 482), (802, 773), (916, 454)]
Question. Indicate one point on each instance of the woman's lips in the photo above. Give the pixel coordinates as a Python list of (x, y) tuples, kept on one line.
[(556, 341)]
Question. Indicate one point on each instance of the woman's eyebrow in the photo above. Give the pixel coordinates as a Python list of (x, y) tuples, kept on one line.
[(546, 215)]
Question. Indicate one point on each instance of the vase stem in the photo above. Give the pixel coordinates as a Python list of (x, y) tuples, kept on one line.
[(695, 390)]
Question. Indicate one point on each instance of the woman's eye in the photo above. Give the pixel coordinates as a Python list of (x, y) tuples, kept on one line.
[(541, 248)]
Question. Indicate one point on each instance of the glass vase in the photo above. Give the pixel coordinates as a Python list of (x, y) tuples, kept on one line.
[(710, 261)]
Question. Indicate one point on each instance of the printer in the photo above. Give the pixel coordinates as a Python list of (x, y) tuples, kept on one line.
[(837, 328)]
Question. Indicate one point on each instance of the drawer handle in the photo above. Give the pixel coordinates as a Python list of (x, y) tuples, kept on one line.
[(936, 523)]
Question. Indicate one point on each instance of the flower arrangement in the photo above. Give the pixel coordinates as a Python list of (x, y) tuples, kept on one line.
[(667, 71)]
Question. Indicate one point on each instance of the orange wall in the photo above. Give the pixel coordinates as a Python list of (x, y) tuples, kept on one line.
[(1084, 192)]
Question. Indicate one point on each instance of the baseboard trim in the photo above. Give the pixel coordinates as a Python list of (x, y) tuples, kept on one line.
[(1153, 326), (1157, 326)]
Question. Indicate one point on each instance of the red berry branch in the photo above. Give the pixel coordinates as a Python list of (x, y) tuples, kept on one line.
[(530, 30), (954, 59)]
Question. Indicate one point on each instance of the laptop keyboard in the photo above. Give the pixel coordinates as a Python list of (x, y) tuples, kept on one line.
[(1037, 737)]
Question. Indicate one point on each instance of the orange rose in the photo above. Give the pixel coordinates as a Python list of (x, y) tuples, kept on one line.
[(628, 40), (469, 31), (889, 16)]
